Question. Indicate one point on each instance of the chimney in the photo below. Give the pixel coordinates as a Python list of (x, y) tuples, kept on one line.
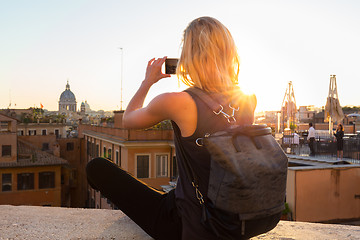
[(118, 115), (56, 151)]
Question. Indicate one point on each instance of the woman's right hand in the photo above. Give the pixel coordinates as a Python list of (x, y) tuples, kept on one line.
[(153, 71)]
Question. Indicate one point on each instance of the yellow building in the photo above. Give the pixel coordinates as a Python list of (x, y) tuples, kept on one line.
[(42, 129), (28, 176), (8, 139), (146, 154)]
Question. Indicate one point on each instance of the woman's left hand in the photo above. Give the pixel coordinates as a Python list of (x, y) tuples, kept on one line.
[(153, 71)]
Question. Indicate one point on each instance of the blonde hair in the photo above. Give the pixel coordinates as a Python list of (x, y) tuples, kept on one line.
[(209, 58)]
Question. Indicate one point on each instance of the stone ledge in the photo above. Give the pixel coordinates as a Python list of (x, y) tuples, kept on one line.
[(29, 222)]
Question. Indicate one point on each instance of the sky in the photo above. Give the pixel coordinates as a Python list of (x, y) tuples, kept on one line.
[(44, 44)]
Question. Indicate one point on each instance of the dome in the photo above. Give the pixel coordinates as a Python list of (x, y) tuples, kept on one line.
[(87, 106), (67, 95), (67, 102)]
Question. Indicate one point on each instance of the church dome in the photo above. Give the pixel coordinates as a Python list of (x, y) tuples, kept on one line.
[(87, 106), (67, 95), (67, 102)]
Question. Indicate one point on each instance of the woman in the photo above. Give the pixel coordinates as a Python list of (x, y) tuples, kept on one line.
[(208, 61), (339, 134)]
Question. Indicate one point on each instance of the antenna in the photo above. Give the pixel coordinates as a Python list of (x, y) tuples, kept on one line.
[(9, 98), (121, 79)]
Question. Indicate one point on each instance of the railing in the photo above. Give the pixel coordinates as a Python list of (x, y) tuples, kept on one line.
[(324, 148), (131, 135)]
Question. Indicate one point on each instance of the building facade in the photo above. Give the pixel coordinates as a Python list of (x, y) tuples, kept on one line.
[(146, 154), (42, 129), (8, 139), (28, 176)]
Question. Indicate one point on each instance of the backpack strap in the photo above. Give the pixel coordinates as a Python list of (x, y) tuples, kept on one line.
[(213, 105), (217, 109), (191, 176)]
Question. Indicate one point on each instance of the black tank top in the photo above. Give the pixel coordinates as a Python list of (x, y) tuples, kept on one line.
[(199, 157)]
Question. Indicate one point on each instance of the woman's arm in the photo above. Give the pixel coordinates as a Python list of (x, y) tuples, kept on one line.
[(178, 107), (135, 115)]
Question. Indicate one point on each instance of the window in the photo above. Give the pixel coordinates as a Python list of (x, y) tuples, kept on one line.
[(45, 146), (161, 165), (175, 168), (6, 150), (117, 158), (73, 175), (88, 147), (109, 154), (20, 132), (57, 133), (43, 132), (97, 150), (25, 181), (32, 132), (142, 162), (6, 182), (4, 126), (104, 152), (93, 150), (46, 180), (69, 146)]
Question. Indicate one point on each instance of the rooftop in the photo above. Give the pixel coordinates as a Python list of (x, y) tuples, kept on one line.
[(29, 222), (29, 156), (308, 162)]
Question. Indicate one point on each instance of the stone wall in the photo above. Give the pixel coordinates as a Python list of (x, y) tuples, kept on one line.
[(25, 222)]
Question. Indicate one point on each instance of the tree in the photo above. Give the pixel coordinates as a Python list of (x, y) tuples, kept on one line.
[(348, 109)]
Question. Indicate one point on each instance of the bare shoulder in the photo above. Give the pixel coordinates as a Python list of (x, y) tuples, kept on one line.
[(175, 96), (175, 100), (180, 108)]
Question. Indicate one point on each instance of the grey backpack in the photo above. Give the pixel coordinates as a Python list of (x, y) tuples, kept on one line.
[(247, 175)]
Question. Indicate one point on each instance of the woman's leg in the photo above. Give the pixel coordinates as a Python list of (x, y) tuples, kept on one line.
[(153, 211)]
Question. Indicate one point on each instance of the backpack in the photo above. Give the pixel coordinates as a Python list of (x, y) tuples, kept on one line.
[(248, 174)]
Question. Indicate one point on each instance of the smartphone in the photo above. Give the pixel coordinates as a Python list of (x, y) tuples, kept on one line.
[(171, 65)]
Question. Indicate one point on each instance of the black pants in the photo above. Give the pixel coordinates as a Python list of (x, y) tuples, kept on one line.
[(153, 211), (156, 213), (311, 146)]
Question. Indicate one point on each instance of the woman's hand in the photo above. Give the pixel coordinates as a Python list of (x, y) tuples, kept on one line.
[(153, 71)]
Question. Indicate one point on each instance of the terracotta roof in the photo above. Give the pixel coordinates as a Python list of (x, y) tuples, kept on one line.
[(29, 156)]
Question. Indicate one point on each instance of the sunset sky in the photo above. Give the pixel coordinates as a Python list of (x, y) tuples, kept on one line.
[(45, 43)]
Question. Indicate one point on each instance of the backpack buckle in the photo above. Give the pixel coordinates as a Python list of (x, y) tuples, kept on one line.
[(220, 111), (200, 141), (199, 195), (234, 109), (229, 118)]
